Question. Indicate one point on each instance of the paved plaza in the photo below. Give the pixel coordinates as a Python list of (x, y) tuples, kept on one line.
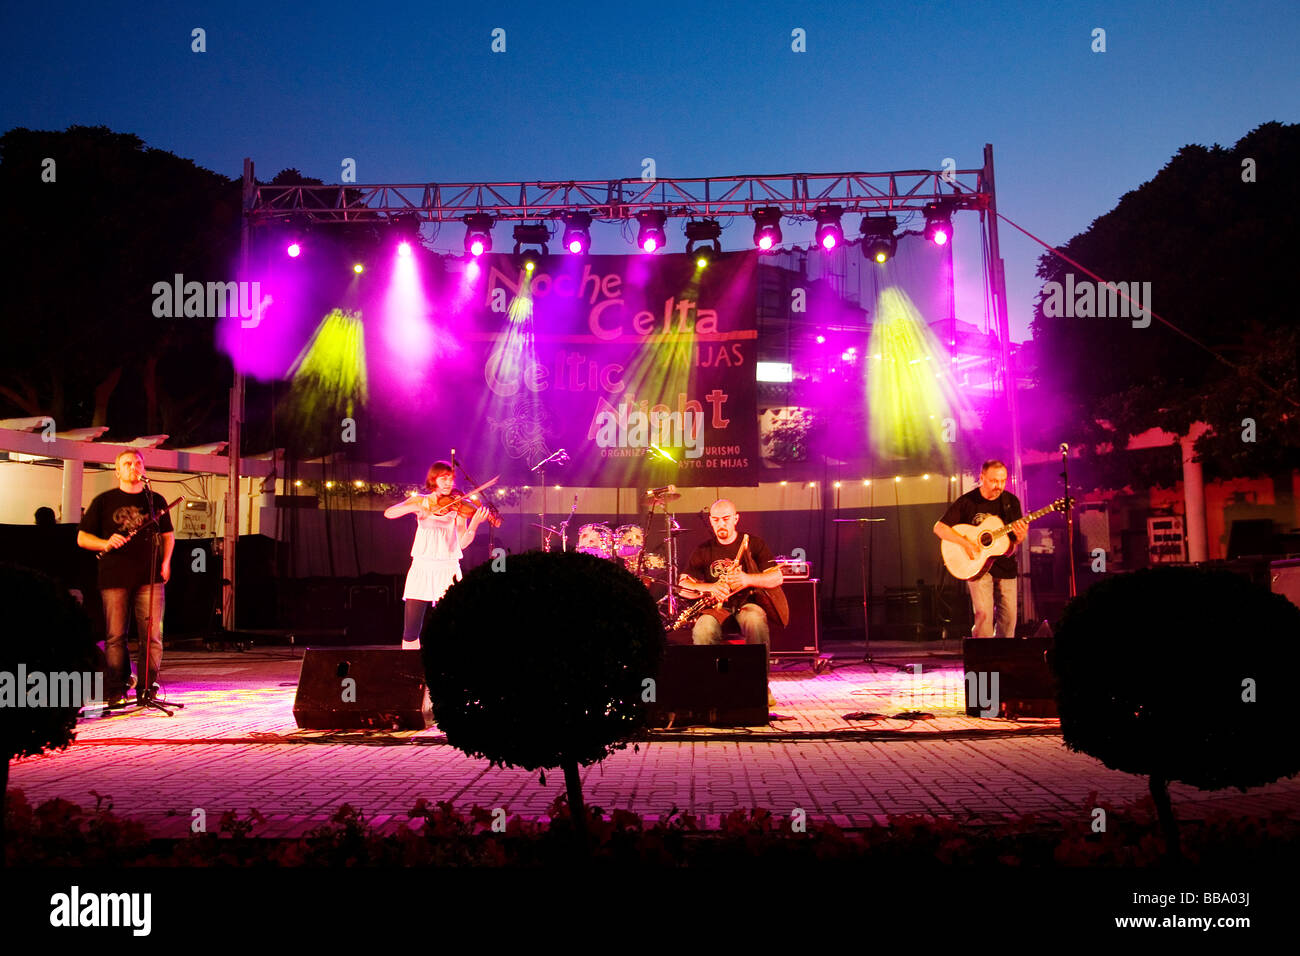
[(235, 746)]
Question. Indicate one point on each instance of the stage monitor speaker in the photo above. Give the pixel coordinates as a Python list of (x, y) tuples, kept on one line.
[(722, 685), (1011, 676), (342, 688), (1284, 579), (799, 638)]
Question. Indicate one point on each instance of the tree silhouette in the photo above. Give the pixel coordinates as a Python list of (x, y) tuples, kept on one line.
[(1217, 251)]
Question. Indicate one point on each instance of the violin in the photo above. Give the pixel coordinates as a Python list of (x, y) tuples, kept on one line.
[(462, 505)]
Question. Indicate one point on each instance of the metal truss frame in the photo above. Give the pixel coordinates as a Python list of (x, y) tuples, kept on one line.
[(795, 194)]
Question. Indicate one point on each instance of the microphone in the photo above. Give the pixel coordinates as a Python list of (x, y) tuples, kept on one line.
[(453, 456)]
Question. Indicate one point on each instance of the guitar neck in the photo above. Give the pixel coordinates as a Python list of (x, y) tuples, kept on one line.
[(1006, 528)]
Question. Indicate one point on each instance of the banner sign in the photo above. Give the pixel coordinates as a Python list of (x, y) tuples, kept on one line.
[(641, 368)]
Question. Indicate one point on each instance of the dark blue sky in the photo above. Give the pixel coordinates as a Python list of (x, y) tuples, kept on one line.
[(413, 92)]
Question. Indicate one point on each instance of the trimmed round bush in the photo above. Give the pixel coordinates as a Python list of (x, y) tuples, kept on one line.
[(1156, 671), (542, 663), (46, 632)]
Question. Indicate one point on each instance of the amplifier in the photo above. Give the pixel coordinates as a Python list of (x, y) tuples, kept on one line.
[(723, 685), (362, 688), (799, 638), (1009, 678)]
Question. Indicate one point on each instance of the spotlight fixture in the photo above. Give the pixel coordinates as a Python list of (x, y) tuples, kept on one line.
[(577, 231), (767, 228), (829, 231), (478, 233), (294, 250), (938, 222), (650, 230), (407, 227), (878, 239), (531, 235), (705, 232)]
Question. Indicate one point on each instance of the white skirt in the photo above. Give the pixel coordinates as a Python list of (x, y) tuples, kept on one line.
[(429, 578)]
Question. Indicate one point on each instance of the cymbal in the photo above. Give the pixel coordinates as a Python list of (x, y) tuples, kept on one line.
[(544, 528), (665, 497)]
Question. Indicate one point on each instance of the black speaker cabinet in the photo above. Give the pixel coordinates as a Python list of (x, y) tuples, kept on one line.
[(1008, 678), (799, 638), (1284, 579), (342, 688), (722, 685)]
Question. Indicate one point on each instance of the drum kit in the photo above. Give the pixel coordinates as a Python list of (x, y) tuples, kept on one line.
[(655, 567)]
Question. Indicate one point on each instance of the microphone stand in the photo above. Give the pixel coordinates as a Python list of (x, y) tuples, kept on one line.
[(862, 524), (474, 484), (540, 468), (145, 694), (564, 526), (1069, 518)]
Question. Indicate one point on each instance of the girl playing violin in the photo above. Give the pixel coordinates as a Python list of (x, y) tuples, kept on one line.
[(436, 552)]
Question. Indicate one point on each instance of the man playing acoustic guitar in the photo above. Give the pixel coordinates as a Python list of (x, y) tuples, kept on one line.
[(998, 581), (713, 570)]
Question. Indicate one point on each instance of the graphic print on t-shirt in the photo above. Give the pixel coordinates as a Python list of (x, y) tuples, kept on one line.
[(128, 518), (719, 568)]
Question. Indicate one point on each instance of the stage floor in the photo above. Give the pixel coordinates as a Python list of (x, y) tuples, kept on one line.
[(235, 747)]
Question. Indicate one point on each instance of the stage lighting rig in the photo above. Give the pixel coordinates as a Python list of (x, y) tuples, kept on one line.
[(767, 228), (478, 233), (706, 232), (532, 235), (650, 230), (577, 231), (938, 222), (878, 239), (830, 233)]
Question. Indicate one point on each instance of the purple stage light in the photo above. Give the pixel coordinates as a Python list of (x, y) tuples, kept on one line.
[(575, 246), (765, 242), (404, 249), (476, 247), (940, 237), (294, 250), (828, 241), (821, 340), (650, 245)]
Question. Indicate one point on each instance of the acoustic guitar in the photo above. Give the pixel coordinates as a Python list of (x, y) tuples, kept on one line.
[(991, 535)]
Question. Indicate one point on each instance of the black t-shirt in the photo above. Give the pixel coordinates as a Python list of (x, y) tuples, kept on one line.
[(710, 560), (119, 512), (973, 508)]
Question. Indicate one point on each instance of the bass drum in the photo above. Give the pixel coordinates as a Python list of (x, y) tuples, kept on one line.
[(596, 539), (629, 539)]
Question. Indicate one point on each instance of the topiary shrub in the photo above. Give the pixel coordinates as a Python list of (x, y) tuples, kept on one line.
[(1180, 674), (542, 664), (46, 633)]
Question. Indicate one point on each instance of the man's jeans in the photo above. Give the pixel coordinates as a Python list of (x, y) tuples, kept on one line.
[(982, 591), (118, 603), (753, 625)]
